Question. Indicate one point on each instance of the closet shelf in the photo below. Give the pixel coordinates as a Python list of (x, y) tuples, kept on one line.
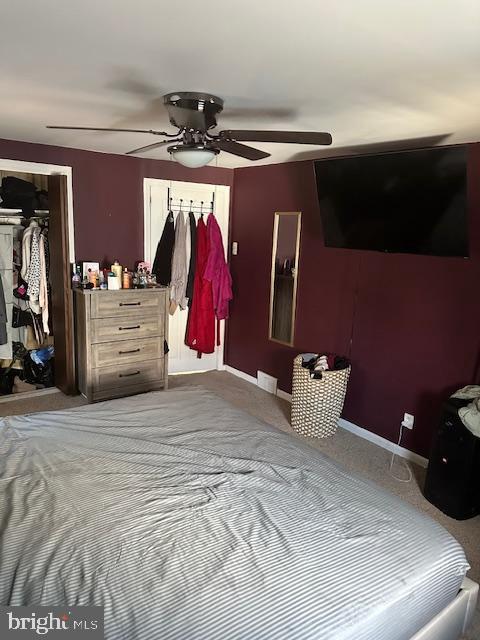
[(10, 211), (38, 212)]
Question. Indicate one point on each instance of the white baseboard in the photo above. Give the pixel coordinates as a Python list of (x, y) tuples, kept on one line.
[(284, 395), (348, 426), (241, 374), (383, 442)]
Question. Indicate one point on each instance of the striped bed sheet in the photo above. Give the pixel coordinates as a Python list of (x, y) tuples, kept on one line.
[(187, 519)]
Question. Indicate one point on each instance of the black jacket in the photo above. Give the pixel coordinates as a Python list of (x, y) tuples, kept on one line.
[(162, 265)]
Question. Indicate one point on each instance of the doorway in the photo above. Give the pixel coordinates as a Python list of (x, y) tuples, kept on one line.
[(182, 359), (37, 349)]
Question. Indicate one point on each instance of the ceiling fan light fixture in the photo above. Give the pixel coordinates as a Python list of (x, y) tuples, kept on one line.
[(192, 156), (194, 115)]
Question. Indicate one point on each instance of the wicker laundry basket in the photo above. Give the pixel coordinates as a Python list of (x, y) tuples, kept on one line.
[(317, 404)]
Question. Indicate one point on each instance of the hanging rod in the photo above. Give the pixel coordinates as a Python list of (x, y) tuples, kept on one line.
[(190, 205), (204, 210)]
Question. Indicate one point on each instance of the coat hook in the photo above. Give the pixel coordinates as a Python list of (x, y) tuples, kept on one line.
[(201, 208)]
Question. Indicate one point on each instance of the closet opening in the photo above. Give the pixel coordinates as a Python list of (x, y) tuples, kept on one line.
[(36, 346)]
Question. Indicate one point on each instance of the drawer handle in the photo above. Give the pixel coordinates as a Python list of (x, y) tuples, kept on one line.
[(129, 304), (121, 353), (137, 326), (127, 375)]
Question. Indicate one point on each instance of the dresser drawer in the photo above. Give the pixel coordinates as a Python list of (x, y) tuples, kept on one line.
[(119, 377), (113, 304), (126, 328), (122, 352)]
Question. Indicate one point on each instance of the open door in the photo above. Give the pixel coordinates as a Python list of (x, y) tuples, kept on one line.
[(60, 279)]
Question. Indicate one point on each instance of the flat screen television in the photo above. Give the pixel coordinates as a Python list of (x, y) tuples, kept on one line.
[(406, 202)]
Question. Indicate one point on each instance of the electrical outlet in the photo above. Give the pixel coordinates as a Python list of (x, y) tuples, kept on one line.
[(234, 248), (408, 420)]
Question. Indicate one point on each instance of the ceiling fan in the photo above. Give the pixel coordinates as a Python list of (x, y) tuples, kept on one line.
[(194, 115)]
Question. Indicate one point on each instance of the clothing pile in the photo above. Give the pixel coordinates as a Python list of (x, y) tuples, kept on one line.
[(470, 414), (28, 370), (190, 258), (319, 363)]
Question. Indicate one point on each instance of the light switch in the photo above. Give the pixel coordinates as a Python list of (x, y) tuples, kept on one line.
[(234, 248)]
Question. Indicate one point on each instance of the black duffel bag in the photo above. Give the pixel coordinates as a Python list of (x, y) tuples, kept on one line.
[(18, 194)]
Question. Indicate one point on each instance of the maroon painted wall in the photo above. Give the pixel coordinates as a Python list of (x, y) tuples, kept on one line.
[(108, 195), (411, 324)]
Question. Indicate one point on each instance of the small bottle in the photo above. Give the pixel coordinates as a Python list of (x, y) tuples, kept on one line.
[(116, 269), (135, 279), (92, 278), (101, 280), (76, 279), (126, 279)]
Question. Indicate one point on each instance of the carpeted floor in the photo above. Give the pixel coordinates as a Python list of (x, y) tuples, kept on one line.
[(41, 402), (353, 452)]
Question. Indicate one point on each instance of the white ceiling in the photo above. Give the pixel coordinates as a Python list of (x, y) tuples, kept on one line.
[(368, 71)]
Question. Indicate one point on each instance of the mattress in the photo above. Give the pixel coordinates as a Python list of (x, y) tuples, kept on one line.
[(186, 518)]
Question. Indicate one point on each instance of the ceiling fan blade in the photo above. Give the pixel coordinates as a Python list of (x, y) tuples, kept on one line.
[(155, 133), (293, 137), (242, 150), (147, 147)]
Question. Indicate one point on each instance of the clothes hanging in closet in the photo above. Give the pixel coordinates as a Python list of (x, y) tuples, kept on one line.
[(193, 257), (217, 271), (3, 315), (200, 334), (162, 265), (43, 288), (178, 283), (35, 265), (33, 276), (26, 250)]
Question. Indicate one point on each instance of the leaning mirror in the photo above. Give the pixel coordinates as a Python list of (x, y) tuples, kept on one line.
[(283, 287)]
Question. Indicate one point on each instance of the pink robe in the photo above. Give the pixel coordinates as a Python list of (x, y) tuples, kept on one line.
[(217, 271), (201, 316)]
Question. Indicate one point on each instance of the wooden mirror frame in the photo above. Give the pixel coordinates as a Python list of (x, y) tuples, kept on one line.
[(277, 217)]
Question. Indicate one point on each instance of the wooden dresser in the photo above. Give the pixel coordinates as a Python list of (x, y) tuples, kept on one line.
[(120, 341)]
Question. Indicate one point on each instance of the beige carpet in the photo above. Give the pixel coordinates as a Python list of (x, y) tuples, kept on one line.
[(353, 452), (41, 402)]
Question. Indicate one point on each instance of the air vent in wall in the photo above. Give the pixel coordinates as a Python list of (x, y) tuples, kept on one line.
[(266, 382)]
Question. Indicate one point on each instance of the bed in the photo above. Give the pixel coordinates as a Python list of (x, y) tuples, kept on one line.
[(187, 518)]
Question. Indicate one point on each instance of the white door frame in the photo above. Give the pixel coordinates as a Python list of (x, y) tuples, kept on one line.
[(48, 170), (42, 168), (222, 202)]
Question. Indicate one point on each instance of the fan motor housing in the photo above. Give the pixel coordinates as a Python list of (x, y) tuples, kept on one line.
[(193, 111)]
